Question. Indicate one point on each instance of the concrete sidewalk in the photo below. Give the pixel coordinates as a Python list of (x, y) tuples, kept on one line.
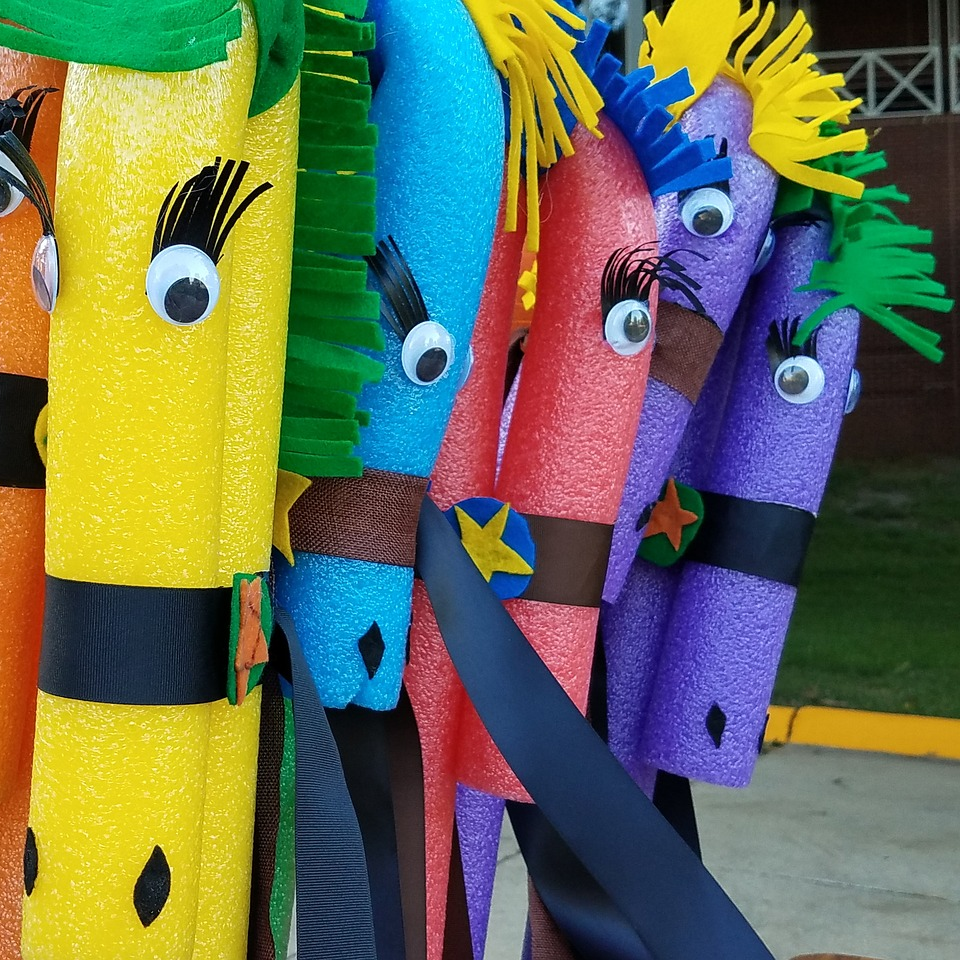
[(827, 851)]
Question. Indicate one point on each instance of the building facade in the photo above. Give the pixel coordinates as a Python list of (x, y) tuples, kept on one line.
[(903, 58)]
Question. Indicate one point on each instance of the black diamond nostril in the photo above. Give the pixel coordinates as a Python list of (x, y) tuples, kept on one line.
[(31, 862), (152, 889), (716, 724), (371, 648)]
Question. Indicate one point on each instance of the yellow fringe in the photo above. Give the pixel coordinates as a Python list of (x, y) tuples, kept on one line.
[(697, 35), (790, 98), (791, 101), (534, 54), (528, 284)]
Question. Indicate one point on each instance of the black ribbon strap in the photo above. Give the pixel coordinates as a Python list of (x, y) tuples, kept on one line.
[(653, 878), (361, 737), (21, 400), (673, 797), (334, 917), (590, 924), (767, 540), (151, 646)]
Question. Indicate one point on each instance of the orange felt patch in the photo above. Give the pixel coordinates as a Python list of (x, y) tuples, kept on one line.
[(669, 517), (251, 642)]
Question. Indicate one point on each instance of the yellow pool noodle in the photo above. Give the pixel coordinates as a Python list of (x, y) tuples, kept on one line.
[(135, 478), (259, 304)]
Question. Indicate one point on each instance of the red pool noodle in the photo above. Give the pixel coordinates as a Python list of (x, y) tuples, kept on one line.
[(466, 467), (578, 405)]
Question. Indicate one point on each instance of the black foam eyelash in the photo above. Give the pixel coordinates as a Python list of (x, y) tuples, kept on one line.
[(31, 185), (196, 214), (402, 304), (20, 115), (780, 343), (630, 275), (800, 218)]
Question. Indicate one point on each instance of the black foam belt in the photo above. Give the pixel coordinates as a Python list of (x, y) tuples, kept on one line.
[(21, 400), (156, 646), (767, 540), (671, 903)]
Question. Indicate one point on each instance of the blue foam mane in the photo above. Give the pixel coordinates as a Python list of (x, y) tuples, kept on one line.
[(637, 105)]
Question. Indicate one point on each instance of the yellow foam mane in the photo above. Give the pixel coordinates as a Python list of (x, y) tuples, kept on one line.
[(791, 99), (534, 54)]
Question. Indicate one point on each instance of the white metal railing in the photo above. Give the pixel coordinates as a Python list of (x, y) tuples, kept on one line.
[(955, 78), (895, 82), (953, 53)]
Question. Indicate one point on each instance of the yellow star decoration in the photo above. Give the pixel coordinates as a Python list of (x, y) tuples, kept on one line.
[(669, 517), (486, 547), (290, 487)]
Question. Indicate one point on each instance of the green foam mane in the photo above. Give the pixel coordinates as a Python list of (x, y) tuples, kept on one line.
[(333, 317), (874, 266), (159, 36)]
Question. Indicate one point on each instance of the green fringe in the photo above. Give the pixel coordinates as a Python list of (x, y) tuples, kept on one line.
[(874, 266), (333, 317), (284, 880)]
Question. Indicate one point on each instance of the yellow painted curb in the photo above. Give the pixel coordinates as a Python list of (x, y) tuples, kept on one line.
[(859, 730)]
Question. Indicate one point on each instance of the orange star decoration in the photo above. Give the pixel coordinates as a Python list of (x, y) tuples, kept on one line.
[(669, 517), (251, 642)]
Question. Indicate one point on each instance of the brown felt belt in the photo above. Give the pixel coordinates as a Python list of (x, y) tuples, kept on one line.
[(372, 518), (571, 561), (686, 346)]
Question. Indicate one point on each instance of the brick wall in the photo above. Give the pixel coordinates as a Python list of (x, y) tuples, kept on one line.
[(911, 407)]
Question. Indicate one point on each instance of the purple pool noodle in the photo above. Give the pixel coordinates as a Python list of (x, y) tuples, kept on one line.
[(694, 457), (725, 636), (633, 627), (725, 111), (506, 418), (479, 822)]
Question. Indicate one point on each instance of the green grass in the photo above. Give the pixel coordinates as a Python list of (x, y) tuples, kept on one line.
[(877, 622)]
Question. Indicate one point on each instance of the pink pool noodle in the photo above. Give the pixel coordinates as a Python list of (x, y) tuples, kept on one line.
[(577, 408), (466, 467)]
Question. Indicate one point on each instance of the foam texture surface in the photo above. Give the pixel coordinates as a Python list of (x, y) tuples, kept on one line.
[(156, 479), (479, 821), (726, 630), (439, 167), (633, 627), (725, 111), (24, 330), (578, 403), (465, 468)]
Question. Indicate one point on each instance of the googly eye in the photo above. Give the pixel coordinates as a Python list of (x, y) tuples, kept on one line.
[(427, 353), (45, 272), (854, 389), (628, 327), (10, 196), (766, 251), (799, 380), (467, 369), (183, 285), (707, 212)]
